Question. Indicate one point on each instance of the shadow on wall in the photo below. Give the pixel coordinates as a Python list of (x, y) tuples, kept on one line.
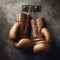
[(3, 38)]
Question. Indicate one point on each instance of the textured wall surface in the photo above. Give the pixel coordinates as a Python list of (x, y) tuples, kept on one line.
[(50, 9)]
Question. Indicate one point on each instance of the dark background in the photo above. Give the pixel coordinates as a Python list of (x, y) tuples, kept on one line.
[(50, 10)]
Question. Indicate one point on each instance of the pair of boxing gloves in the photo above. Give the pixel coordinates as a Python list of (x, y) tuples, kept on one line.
[(19, 33)]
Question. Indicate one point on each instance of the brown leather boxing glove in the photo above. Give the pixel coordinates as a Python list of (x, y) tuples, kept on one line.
[(19, 33), (40, 34)]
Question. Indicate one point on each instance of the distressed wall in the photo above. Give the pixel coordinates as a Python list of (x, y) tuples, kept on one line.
[(50, 9)]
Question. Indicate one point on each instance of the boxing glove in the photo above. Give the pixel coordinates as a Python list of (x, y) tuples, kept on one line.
[(19, 33), (40, 35)]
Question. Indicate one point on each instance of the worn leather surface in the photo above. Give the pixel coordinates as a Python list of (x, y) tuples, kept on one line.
[(50, 10)]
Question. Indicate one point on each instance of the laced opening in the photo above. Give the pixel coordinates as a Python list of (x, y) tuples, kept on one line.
[(35, 23), (24, 25)]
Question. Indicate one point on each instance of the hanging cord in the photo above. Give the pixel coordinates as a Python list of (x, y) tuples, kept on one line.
[(33, 14), (29, 9), (24, 23)]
